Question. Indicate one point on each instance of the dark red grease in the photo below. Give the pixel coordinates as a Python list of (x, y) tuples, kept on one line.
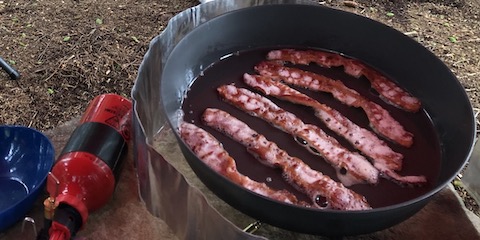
[(423, 158)]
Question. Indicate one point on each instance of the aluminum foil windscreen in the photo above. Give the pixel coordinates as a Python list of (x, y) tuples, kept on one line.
[(471, 176), (167, 185)]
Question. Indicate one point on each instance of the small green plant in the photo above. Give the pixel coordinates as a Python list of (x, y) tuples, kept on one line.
[(452, 39), (135, 39)]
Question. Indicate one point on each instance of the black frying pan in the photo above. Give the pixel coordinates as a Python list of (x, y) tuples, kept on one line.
[(415, 68)]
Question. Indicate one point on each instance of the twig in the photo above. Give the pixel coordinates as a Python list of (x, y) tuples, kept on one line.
[(33, 118), (411, 34), (473, 40), (472, 74), (469, 75), (59, 66)]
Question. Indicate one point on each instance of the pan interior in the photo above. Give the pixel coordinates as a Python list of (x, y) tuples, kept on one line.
[(423, 158)]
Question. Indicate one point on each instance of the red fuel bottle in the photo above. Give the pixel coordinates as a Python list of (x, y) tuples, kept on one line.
[(89, 164)]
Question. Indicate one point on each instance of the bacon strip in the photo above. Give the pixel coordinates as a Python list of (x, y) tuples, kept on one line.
[(296, 172), (317, 140), (387, 89), (380, 120), (352, 168), (210, 151), (360, 138)]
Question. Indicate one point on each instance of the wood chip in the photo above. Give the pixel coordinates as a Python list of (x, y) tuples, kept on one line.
[(411, 34), (351, 4)]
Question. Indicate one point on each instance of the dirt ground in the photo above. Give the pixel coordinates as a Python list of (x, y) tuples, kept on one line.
[(70, 51)]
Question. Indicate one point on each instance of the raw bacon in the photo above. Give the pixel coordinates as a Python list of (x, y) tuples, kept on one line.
[(380, 120), (388, 90), (324, 59), (360, 138), (210, 151), (352, 168), (295, 171)]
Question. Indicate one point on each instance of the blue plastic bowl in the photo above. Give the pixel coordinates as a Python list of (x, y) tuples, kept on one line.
[(26, 157)]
